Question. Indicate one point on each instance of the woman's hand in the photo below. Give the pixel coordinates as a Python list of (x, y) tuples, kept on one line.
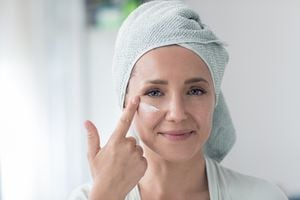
[(119, 165)]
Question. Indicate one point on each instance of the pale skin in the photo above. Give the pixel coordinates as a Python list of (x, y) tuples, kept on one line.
[(171, 162)]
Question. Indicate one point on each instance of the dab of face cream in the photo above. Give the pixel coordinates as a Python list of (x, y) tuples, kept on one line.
[(148, 108)]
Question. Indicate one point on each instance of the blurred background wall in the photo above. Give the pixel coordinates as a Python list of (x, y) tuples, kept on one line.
[(42, 103), (55, 61), (261, 84)]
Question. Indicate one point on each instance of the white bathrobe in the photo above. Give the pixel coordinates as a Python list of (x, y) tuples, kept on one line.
[(223, 183)]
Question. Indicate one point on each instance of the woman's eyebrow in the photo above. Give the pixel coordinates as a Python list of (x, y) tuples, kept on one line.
[(157, 81), (165, 82), (195, 80)]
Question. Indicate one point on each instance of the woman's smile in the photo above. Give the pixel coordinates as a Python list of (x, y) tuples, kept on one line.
[(176, 136)]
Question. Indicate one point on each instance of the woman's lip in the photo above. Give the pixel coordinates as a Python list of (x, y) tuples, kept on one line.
[(180, 132), (177, 135)]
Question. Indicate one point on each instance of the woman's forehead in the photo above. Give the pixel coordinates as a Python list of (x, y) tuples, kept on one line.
[(170, 61)]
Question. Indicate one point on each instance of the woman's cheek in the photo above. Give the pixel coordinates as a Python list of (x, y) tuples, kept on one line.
[(147, 117), (148, 113), (201, 112)]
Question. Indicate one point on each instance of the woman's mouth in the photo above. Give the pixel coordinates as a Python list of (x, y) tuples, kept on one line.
[(177, 135)]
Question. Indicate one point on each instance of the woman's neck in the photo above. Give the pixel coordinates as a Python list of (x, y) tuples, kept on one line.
[(167, 180)]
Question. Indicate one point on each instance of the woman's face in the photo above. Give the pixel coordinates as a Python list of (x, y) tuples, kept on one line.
[(174, 118)]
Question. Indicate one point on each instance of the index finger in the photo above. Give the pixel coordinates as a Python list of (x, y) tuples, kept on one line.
[(126, 118)]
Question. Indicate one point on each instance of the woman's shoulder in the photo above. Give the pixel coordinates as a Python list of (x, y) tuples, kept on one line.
[(239, 185), (256, 188)]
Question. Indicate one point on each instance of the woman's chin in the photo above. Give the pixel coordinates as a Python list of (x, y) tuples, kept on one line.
[(178, 157), (174, 155)]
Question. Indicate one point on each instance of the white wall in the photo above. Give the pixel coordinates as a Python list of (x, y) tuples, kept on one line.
[(104, 111), (42, 101), (260, 84)]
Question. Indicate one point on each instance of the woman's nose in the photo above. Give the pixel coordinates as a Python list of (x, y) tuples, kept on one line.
[(176, 111)]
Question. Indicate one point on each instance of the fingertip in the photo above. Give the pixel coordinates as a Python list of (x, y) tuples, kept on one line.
[(90, 127), (87, 124)]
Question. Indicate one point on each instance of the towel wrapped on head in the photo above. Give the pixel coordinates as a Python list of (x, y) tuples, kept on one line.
[(161, 23)]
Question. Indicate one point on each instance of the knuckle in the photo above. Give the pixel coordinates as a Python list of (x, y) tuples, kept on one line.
[(131, 142), (143, 164), (125, 120), (130, 146), (140, 149), (138, 153)]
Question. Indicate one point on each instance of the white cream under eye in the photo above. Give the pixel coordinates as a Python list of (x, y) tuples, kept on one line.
[(147, 107)]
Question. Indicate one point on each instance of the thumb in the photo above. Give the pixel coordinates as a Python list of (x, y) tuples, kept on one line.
[(93, 139)]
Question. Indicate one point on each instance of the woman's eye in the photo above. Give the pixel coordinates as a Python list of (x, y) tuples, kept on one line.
[(196, 91), (154, 93)]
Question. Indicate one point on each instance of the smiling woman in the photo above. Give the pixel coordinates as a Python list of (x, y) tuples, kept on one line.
[(165, 80), (171, 64)]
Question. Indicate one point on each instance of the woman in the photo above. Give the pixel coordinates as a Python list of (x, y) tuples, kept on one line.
[(168, 68)]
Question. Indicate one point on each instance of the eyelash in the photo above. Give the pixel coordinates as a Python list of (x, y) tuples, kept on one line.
[(148, 93), (202, 91), (153, 92)]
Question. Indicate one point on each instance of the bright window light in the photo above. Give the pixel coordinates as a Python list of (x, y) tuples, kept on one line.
[(17, 129)]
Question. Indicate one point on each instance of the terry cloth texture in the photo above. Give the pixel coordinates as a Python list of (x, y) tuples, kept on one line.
[(161, 23)]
